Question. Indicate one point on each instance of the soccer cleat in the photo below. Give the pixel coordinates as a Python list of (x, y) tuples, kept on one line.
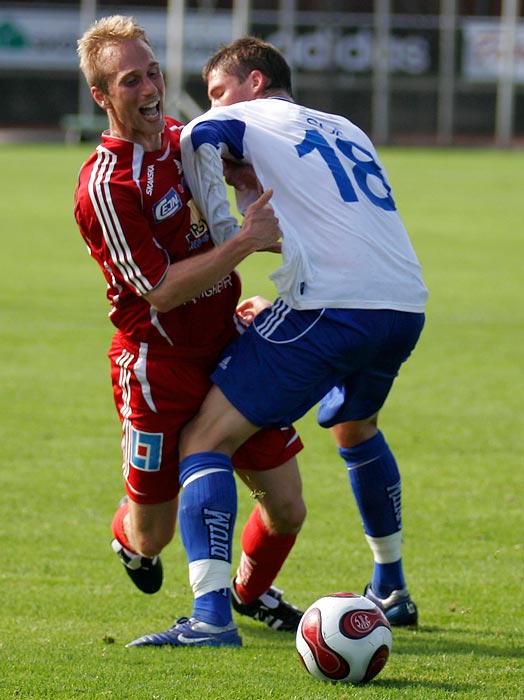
[(190, 632), (398, 607), (269, 608), (146, 574)]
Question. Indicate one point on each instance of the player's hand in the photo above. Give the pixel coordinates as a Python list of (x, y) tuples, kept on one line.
[(260, 225), (274, 248), (249, 308), (241, 176)]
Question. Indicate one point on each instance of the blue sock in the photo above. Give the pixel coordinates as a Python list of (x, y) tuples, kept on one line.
[(207, 514), (376, 485), (214, 607), (387, 578)]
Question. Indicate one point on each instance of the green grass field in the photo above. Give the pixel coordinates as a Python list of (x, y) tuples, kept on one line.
[(454, 420)]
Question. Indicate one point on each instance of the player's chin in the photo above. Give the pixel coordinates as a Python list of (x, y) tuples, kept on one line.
[(154, 125)]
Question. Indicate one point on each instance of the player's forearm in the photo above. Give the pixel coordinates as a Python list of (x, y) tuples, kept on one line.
[(189, 278)]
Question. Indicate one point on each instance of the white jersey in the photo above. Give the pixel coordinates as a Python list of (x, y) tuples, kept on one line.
[(344, 244)]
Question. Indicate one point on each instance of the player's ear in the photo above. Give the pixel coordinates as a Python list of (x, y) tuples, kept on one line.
[(99, 97), (258, 82)]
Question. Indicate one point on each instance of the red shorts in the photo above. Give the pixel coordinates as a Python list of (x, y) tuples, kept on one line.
[(156, 392)]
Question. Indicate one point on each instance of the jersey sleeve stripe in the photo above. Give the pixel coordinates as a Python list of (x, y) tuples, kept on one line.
[(100, 194), (216, 131)]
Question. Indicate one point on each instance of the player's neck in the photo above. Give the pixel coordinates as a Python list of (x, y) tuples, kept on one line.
[(280, 94), (149, 142)]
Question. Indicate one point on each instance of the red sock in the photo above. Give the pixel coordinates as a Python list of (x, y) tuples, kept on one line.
[(118, 526), (263, 554)]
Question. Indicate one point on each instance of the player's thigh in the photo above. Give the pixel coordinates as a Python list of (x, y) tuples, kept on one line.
[(356, 398), (218, 427), (155, 394), (389, 338), (268, 449)]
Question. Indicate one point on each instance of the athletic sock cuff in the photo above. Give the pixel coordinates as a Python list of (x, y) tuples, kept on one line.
[(364, 452), (206, 462), (117, 527)]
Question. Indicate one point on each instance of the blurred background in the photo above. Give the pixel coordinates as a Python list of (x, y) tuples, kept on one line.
[(421, 72)]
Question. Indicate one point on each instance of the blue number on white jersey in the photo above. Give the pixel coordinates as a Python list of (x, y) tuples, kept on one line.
[(313, 140)]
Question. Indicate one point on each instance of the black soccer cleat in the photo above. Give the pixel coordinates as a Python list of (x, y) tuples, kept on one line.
[(398, 607), (269, 608), (147, 574)]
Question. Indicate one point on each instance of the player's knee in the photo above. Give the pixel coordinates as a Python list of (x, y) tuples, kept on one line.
[(286, 517), (151, 542), (354, 433)]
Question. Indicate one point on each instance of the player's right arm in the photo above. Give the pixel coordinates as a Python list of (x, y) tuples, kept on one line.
[(120, 239), (188, 278)]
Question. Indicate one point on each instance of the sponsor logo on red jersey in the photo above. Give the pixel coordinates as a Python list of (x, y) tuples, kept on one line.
[(167, 206)]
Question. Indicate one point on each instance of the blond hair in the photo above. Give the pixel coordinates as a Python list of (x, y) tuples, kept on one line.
[(104, 32)]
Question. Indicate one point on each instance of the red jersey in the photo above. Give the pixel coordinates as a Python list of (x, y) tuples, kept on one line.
[(136, 214)]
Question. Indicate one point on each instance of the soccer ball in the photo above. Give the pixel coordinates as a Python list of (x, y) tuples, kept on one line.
[(344, 637)]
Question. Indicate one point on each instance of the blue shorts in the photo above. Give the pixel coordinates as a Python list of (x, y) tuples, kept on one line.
[(288, 360)]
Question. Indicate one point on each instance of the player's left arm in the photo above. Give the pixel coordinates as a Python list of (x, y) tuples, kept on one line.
[(204, 142), (209, 149)]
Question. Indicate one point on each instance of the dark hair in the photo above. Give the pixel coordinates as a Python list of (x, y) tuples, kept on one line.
[(247, 54)]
